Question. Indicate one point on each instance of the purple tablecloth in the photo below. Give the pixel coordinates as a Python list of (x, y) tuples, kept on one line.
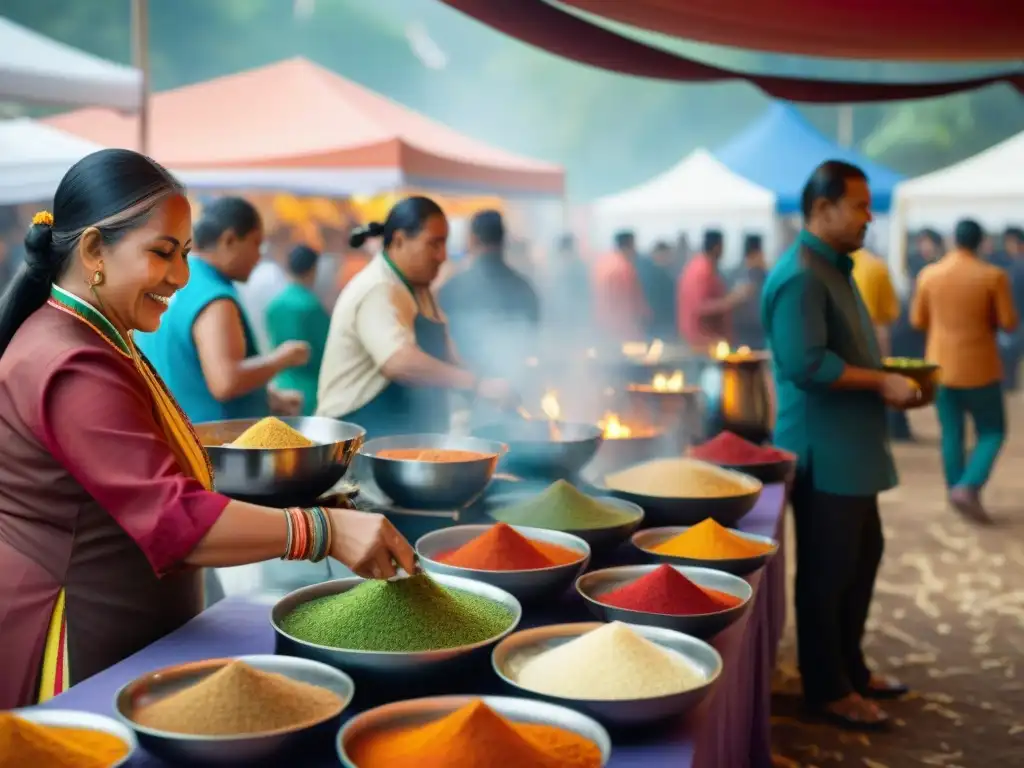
[(730, 730)]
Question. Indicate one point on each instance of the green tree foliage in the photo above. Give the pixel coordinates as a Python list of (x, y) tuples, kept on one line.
[(608, 130)]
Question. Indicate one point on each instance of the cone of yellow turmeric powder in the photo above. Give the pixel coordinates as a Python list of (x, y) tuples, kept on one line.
[(270, 433), (25, 743), (708, 543)]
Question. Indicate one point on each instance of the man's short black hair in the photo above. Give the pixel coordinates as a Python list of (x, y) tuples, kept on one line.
[(713, 239), (828, 181), (625, 239), (1015, 233), (968, 234), (752, 244), (488, 228), (301, 260)]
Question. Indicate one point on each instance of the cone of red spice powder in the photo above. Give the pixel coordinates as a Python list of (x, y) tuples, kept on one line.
[(731, 449), (665, 590), (503, 548)]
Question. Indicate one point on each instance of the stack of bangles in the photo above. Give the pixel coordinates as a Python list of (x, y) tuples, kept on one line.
[(309, 534)]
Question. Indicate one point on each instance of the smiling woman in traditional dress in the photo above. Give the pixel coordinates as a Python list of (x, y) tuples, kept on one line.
[(106, 510)]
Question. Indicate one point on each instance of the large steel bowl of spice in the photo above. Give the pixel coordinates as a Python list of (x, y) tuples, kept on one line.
[(698, 601), (239, 711), (707, 544), (764, 462), (463, 731), (620, 674), (604, 522), (430, 471), (402, 630), (279, 462), (528, 563), (684, 491)]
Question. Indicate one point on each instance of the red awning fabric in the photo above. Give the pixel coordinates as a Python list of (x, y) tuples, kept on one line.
[(895, 30), (545, 26), (300, 116)]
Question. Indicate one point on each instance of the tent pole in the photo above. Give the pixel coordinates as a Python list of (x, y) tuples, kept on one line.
[(140, 60)]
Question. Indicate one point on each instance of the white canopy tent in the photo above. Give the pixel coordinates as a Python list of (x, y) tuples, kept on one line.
[(698, 193), (988, 187), (37, 70), (34, 157)]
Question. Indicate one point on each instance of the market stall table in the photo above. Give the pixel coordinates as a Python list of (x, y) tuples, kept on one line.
[(732, 728)]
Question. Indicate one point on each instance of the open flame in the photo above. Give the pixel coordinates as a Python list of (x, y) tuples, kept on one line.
[(550, 406), (553, 410), (673, 383), (613, 427), (722, 351), (647, 353)]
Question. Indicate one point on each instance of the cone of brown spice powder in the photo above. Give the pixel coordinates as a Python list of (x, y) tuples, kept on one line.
[(239, 700)]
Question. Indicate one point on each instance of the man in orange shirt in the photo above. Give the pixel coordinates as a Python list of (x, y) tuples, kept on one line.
[(961, 303), (620, 308)]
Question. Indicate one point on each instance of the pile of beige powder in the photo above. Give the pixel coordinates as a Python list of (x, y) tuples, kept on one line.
[(611, 663)]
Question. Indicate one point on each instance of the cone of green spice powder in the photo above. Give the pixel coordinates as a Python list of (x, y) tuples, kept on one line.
[(411, 614), (561, 507)]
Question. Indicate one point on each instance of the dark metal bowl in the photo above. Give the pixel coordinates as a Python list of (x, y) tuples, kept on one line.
[(431, 485), (280, 476), (532, 451), (767, 472), (924, 373), (592, 585), (645, 541)]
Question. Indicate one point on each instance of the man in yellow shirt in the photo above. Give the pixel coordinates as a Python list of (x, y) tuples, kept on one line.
[(961, 303), (871, 275)]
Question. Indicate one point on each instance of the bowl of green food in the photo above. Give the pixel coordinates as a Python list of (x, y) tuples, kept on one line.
[(405, 629), (922, 372)]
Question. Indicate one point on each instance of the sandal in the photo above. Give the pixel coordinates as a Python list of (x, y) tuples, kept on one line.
[(853, 719), (885, 688)]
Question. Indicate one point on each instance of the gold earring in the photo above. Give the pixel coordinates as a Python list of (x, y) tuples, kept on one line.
[(97, 278)]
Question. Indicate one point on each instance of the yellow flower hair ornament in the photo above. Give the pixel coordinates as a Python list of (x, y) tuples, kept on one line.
[(43, 218)]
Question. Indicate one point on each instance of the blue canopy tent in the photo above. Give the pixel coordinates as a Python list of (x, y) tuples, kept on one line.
[(780, 150)]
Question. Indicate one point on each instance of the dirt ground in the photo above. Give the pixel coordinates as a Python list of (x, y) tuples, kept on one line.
[(948, 619)]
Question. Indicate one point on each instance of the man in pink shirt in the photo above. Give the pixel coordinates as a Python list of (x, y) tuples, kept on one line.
[(620, 308), (704, 304)]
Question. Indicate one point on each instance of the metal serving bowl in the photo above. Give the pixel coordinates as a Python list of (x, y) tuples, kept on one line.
[(431, 484), (648, 539), (72, 718), (600, 540), (415, 712), (767, 472), (924, 373), (668, 510), (539, 448), (244, 749), (397, 667), (514, 651), (280, 476), (525, 585), (596, 583)]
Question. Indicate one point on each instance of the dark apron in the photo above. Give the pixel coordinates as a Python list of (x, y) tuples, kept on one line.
[(402, 409)]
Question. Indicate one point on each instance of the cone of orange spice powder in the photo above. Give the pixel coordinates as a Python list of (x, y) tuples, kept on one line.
[(503, 548), (474, 736)]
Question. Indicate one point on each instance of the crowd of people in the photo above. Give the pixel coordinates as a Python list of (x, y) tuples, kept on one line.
[(127, 322)]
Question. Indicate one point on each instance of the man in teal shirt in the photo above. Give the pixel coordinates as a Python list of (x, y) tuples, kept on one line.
[(296, 314), (832, 396)]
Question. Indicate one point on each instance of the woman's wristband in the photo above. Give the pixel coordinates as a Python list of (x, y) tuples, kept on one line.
[(309, 534)]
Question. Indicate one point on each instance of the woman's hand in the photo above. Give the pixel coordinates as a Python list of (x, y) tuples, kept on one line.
[(285, 402), (368, 543)]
